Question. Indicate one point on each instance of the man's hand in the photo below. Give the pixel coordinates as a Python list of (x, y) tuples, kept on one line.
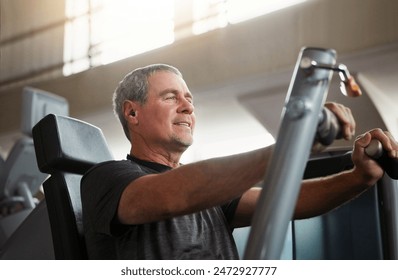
[(344, 117), (365, 167)]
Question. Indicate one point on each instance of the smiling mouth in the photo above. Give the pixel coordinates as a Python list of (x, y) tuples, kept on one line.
[(183, 124)]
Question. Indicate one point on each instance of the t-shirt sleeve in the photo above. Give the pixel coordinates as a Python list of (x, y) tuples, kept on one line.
[(229, 209), (101, 189)]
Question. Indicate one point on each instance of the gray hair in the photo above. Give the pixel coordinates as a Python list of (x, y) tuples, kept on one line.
[(134, 87)]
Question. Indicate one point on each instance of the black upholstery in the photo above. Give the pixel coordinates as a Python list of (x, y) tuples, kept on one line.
[(66, 148)]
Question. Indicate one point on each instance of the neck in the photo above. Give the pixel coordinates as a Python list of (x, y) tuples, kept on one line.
[(165, 158)]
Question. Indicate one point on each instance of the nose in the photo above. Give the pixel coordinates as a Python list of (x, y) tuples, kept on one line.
[(186, 107)]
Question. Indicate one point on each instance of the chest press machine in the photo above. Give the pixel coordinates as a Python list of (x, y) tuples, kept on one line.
[(302, 120)]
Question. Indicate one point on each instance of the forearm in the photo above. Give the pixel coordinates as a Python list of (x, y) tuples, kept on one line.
[(222, 179), (320, 195)]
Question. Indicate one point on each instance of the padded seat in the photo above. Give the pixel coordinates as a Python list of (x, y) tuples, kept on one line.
[(66, 148)]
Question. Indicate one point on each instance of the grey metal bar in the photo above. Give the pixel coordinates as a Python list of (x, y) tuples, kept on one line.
[(389, 193), (306, 96)]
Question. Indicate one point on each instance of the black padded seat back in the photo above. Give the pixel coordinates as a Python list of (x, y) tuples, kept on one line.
[(66, 148), (67, 144)]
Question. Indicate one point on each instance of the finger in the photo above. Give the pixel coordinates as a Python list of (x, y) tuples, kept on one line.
[(363, 140), (387, 140), (345, 118), (393, 143), (348, 123), (380, 135)]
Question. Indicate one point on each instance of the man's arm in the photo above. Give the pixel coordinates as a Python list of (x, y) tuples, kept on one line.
[(192, 187), (317, 196), (320, 195)]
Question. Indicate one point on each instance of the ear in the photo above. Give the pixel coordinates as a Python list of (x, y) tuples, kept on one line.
[(130, 111)]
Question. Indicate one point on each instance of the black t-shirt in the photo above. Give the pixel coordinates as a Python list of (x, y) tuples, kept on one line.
[(202, 235)]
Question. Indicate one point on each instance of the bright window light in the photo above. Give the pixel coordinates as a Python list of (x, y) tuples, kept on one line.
[(76, 45), (213, 14), (132, 27), (208, 15), (241, 10), (99, 32), (103, 31)]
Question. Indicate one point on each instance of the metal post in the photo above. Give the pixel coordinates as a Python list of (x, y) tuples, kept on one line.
[(306, 96), (389, 196)]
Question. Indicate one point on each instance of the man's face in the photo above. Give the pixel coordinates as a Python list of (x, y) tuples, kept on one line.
[(167, 118)]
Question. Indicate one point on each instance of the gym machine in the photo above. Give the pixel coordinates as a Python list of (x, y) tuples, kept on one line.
[(303, 119)]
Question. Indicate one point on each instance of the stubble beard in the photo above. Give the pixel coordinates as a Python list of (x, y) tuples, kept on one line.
[(183, 142)]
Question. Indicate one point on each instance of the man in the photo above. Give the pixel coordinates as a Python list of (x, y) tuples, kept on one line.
[(152, 207)]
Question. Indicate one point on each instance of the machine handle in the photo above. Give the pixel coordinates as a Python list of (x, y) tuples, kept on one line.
[(375, 151)]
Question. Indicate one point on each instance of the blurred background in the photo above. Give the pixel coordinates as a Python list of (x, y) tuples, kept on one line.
[(237, 57)]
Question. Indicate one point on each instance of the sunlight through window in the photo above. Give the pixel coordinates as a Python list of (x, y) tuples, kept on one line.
[(103, 31), (132, 27), (213, 14), (99, 32), (241, 10)]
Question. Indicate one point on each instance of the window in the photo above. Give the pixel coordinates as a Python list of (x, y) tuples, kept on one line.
[(98, 32), (102, 31), (241, 10)]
